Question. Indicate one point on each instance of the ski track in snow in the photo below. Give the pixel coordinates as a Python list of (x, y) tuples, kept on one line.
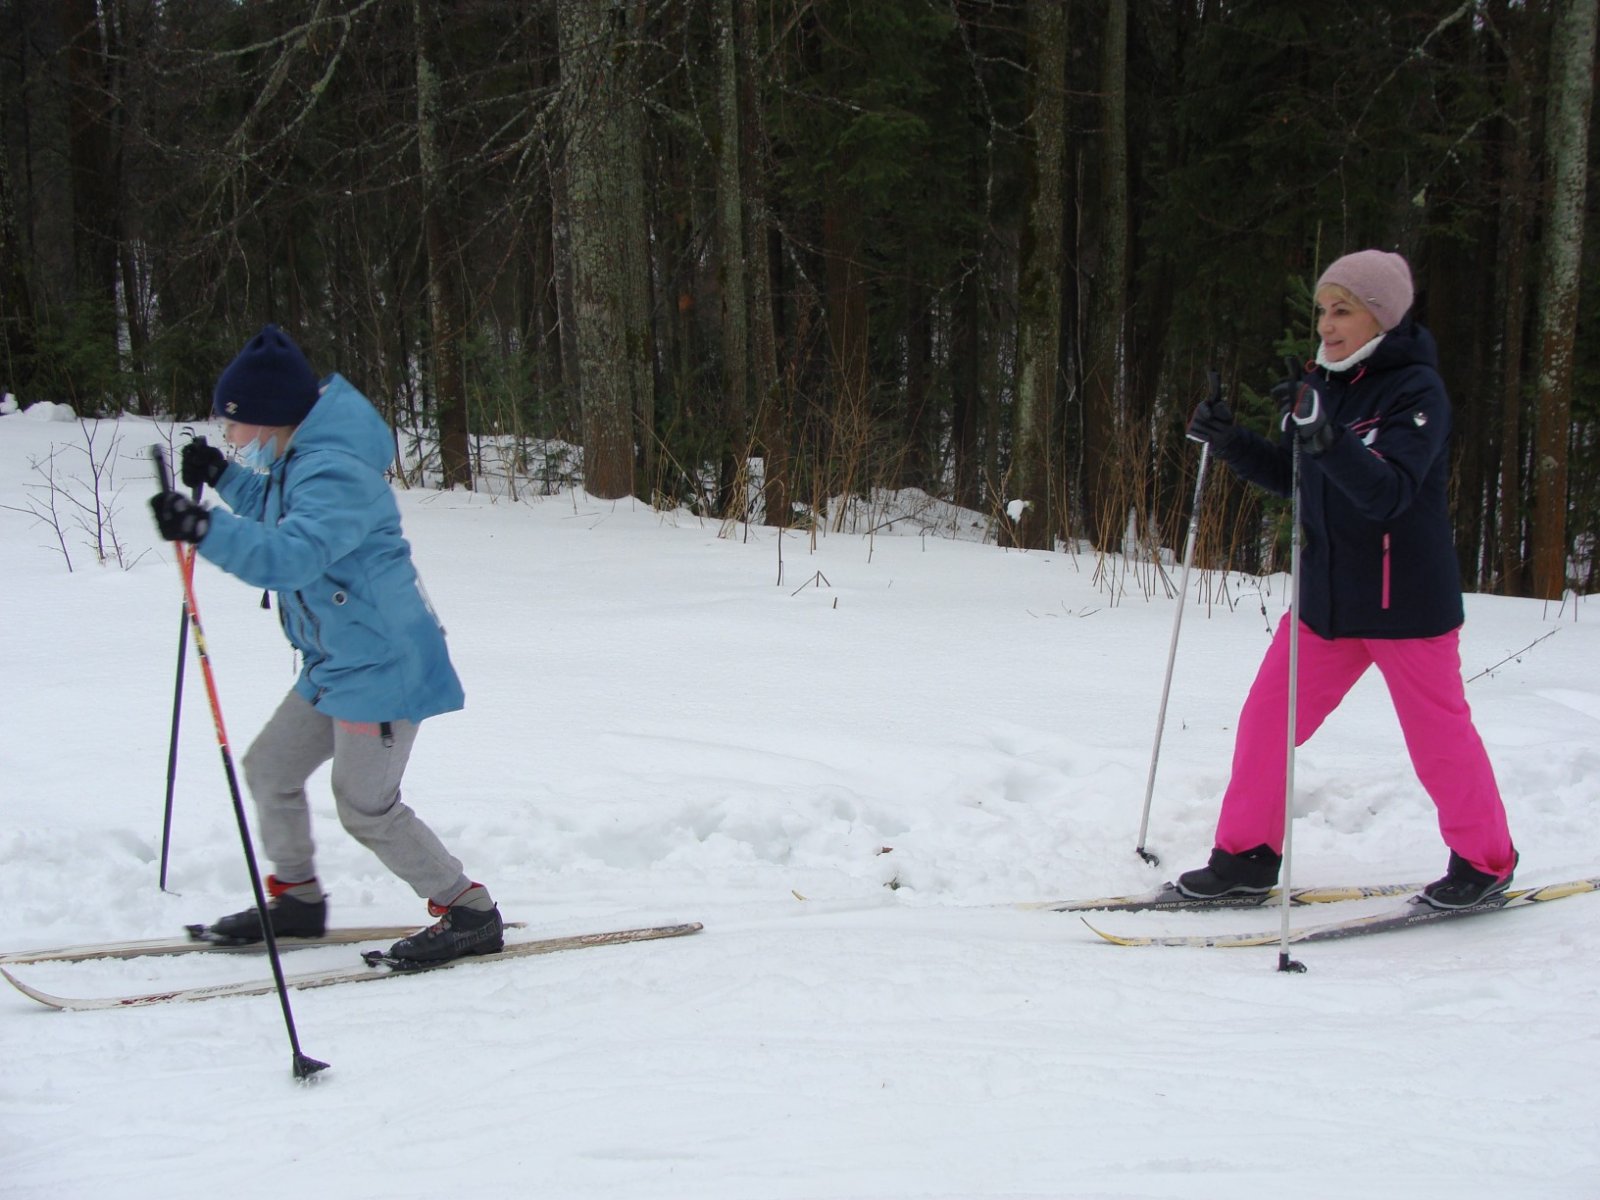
[(849, 785)]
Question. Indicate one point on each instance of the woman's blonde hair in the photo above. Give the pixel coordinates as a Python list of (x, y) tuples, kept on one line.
[(1340, 292)]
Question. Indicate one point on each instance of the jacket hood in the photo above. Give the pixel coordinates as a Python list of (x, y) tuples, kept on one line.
[(1407, 344), (344, 420)]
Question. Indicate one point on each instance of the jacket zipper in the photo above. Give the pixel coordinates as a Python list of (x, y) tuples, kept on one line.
[(1385, 571), (311, 624)]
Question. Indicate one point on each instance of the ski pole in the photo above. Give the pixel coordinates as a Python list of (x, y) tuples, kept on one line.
[(1285, 963), (1177, 624), (177, 710), (304, 1066)]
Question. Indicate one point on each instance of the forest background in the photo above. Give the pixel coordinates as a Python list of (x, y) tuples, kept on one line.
[(757, 257)]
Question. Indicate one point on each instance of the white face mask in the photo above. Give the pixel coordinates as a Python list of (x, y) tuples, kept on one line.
[(260, 454)]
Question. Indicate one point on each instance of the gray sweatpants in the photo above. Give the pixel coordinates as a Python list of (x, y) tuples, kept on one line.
[(367, 768)]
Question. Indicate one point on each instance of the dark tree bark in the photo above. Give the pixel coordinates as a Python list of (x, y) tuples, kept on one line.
[(1034, 488), (732, 494), (18, 336), (771, 412), (609, 260), (966, 399), (447, 321), (1511, 296), (848, 341), (1571, 98), (95, 171), (1104, 490)]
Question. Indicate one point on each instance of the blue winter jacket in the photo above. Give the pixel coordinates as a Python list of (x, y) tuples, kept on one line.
[(1378, 558), (322, 530)]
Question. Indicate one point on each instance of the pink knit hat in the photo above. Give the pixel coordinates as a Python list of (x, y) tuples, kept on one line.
[(1380, 281)]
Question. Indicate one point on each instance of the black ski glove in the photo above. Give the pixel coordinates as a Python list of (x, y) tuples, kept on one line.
[(201, 464), (1213, 423), (1308, 417), (1283, 393), (179, 518)]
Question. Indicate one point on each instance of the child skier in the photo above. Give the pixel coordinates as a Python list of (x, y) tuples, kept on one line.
[(314, 520)]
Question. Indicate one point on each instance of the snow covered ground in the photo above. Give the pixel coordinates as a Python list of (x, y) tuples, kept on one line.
[(850, 776)]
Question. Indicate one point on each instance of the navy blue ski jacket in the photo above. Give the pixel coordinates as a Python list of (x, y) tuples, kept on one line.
[(1378, 555)]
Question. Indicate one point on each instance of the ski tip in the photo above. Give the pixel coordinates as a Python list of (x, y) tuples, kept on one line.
[(34, 993), (1231, 940), (1557, 891), (1115, 939)]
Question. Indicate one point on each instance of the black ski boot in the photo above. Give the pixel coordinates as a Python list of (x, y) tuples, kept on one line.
[(296, 909), (1252, 873), (469, 925), (1464, 886)]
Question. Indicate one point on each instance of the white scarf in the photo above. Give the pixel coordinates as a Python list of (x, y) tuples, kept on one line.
[(1344, 364)]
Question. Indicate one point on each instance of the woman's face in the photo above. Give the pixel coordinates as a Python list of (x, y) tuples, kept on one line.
[(1343, 325)]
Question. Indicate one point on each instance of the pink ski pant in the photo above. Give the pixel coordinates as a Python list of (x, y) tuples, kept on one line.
[(1424, 680)]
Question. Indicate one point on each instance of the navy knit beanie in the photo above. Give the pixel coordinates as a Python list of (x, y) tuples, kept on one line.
[(269, 383)]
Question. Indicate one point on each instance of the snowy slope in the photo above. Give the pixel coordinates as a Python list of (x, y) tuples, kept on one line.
[(850, 783)]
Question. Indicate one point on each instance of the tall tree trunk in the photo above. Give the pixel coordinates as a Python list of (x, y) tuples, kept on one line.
[(1456, 317), (94, 171), (605, 190), (1567, 140), (544, 338), (771, 414), (631, 236), (1105, 499), (732, 494), (966, 400), (446, 308), (1032, 492), (772, 409), (1511, 305), (917, 422), (566, 301), (18, 334), (848, 341), (125, 44)]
